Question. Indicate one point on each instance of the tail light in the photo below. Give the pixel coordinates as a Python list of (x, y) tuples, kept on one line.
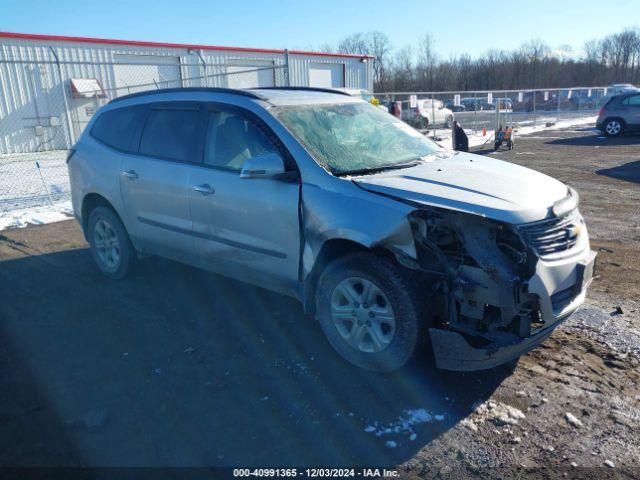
[(601, 112)]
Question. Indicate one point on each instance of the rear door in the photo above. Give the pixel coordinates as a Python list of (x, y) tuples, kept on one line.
[(246, 228), (154, 181)]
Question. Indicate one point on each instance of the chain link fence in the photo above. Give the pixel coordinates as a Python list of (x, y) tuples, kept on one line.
[(45, 105), (481, 113), (47, 102)]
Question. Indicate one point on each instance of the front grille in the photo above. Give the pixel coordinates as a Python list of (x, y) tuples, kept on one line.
[(561, 299), (553, 235)]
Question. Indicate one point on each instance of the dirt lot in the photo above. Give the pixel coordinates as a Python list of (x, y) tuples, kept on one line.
[(178, 367)]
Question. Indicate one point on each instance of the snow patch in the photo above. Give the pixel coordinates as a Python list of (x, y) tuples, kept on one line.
[(404, 424), (476, 139), (496, 412), (36, 215)]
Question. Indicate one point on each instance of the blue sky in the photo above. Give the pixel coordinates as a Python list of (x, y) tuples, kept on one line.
[(457, 26)]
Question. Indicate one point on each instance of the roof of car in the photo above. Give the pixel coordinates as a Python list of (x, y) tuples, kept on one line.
[(303, 96), (273, 95)]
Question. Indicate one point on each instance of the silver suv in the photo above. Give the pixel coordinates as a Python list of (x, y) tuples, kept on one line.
[(386, 238), (620, 114)]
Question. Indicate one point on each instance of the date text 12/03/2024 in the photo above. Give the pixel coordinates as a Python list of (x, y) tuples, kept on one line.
[(316, 472)]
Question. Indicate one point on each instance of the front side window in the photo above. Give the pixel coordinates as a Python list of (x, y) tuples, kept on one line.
[(171, 133), (115, 128), (354, 138), (232, 139)]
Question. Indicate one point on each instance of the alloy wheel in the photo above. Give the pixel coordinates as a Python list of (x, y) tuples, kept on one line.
[(362, 315), (106, 243), (613, 127)]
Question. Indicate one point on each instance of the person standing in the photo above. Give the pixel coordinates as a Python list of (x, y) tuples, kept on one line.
[(459, 138)]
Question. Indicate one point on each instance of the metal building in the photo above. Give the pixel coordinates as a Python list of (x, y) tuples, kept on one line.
[(50, 86)]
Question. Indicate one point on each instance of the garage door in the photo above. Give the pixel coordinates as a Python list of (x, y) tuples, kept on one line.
[(148, 71), (326, 75), (241, 78)]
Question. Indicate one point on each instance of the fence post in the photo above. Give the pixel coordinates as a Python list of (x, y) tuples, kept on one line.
[(67, 113), (204, 66), (287, 80), (475, 113), (44, 183), (433, 116), (579, 100)]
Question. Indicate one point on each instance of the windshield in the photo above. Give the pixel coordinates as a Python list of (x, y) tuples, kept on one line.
[(354, 137)]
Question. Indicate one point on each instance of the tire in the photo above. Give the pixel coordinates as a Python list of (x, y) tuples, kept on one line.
[(449, 121), (613, 127), (363, 334), (110, 244)]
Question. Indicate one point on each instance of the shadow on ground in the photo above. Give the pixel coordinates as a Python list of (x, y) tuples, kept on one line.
[(629, 172), (174, 366), (596, 140), (483, 150)]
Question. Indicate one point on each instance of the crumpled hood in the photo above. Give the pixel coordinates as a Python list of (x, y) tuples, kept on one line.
[(471, 183)]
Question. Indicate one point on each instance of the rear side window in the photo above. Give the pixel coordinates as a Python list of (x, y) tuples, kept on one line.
[(172, 134), (633, 100), (115, 128)]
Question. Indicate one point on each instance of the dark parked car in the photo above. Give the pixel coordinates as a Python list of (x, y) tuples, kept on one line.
[(453, 107), (472, 104), (620, 114)]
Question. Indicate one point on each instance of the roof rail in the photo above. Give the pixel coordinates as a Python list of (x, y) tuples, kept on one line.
[(234, 91), (309, 89)]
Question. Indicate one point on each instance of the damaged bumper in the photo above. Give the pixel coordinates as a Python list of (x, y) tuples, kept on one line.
[(561, 287)]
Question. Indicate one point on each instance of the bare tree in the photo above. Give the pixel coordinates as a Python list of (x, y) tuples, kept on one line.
[(612, 59), (380, 47), (427, 60)]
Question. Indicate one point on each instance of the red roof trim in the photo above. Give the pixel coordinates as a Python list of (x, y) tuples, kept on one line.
[(139, 43)]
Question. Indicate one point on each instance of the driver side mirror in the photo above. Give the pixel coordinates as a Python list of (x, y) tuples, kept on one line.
[(268, 165)]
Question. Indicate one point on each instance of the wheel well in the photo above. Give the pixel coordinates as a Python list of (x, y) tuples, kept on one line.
[(330, 251), (91, 201)]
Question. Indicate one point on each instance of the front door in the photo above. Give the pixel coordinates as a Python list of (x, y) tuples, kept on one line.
[(155, 181), (631, 107), (244, 228)]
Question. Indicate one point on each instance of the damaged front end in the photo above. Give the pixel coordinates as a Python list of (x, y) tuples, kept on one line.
[(493, 288)]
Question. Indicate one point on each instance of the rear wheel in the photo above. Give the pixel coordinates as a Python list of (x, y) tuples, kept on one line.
[(613, 127), (367, 308), (110, 244), (449, 121)]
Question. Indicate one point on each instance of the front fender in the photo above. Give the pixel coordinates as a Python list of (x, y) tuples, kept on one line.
[(350, 213)]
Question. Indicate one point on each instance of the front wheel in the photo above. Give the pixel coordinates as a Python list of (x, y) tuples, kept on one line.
[(613, 128), (367, 309)]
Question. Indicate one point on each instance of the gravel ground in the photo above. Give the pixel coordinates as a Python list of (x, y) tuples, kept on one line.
[(172, 366)]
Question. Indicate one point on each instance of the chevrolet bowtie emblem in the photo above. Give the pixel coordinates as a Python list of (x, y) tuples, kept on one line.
[(573, 231)]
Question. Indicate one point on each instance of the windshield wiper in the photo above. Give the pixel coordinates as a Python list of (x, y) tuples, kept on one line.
[(381, 168)]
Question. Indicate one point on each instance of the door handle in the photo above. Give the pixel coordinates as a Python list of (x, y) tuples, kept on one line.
[(130, 174), (204, 189)]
